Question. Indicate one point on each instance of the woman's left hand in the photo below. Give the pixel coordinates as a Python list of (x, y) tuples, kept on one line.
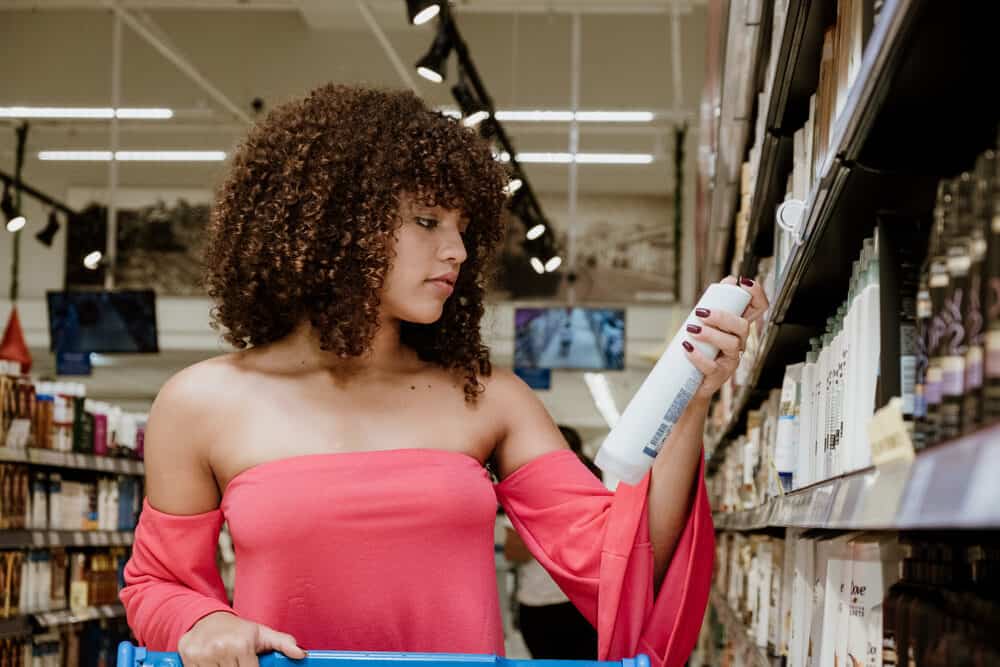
[(728, 333)]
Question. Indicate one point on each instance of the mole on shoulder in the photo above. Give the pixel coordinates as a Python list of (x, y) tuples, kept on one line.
[(412, 387)]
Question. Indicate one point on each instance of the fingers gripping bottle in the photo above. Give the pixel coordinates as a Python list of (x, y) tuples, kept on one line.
[(632, 445)]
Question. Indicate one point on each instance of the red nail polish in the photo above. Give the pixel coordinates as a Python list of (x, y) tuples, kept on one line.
[(746, 282), (702, 312), (688, 346), (694, 328)]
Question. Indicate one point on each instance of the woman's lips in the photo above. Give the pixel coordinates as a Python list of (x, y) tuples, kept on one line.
[(444, 286)]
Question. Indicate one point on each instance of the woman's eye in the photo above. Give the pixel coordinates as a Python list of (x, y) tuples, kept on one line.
[(427, 223)]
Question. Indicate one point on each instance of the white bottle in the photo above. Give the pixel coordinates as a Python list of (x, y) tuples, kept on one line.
[(631, 446)]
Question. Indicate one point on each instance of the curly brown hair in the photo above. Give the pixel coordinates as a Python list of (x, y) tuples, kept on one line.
[(303, 225)]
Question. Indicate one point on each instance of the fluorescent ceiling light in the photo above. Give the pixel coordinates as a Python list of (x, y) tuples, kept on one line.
[(586, 158), (565, 116), (553, 263), (537, 265), (133, 156), (85, 112), (512, 187), (581, 158), (535, 116)]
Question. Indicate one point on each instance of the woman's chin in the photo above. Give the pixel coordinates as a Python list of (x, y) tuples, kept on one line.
[(428, 315)]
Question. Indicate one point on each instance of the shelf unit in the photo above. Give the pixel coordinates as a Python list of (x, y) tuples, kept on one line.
[(21, 626), (41, 539), (952, 485), (747, 24), (66, 617), (849, 188), (736, 630), (73, 461)]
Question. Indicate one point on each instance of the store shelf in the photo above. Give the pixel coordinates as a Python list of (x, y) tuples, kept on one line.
[(738, 632), (796, 74), (47, 457), (14, 627), (950, 486), (67, 617), (778, 344), (811, 285), (743, 57), (41, 539)]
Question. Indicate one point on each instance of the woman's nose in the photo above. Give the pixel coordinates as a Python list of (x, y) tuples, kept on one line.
[(453, 248)]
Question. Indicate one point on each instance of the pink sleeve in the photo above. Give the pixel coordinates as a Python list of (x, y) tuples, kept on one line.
[(171, 580), (596, 545)]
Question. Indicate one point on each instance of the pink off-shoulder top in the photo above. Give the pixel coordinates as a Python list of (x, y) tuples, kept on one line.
[(392, 550)]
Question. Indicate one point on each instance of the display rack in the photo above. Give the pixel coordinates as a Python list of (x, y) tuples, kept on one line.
[(41, 539), (67, 617), (949, 486), (19, 626), (847, 191), (737, 631), (73, 461), (746, 22)]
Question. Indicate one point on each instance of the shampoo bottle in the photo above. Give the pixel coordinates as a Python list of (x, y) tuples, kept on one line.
[(636, 439)]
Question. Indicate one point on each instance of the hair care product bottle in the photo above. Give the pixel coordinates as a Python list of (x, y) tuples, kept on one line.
[(631, 446)]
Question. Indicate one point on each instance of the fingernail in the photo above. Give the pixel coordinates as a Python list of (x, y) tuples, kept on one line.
[(702, 312), (694, 328), (688, 346), (746, 282)]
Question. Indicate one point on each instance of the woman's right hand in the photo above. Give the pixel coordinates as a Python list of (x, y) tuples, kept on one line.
[(226, 640)]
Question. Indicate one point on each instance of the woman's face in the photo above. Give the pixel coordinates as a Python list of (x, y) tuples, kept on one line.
[(429, 252)]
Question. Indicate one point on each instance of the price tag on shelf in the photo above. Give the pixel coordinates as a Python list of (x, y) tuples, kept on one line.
[(78, 538), (37, 538)]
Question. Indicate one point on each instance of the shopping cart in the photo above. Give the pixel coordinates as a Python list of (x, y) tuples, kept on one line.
[(130, 655)]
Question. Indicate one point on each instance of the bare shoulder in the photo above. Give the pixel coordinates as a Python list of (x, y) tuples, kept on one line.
[(528, 429), (200, 389), (189, 413)]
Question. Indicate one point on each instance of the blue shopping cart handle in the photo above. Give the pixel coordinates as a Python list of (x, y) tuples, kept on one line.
[(130, 655)]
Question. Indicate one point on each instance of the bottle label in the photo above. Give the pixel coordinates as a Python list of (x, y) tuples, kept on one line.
[(993, 354), (974, 368), (953, 372), (673, 414), (907, 383), (932, 388)]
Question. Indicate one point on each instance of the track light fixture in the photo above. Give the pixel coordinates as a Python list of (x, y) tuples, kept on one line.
[(50, 229), (474, 111), (477, 110), (420, 12), (434, 64)]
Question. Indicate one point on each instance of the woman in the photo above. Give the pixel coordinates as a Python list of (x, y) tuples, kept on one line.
[(344, 443)]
